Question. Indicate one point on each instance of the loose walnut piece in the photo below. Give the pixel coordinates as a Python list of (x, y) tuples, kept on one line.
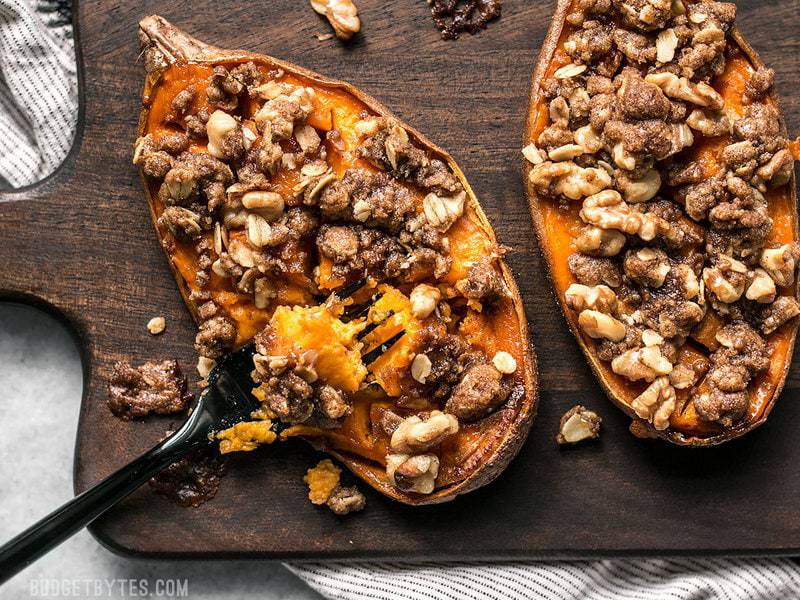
[(578, 424), (156, 325), (341, 14), (415, 435), (413, 473), (420, 368), (220, 125)]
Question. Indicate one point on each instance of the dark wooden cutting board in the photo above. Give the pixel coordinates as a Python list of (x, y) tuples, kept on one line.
[(81, 244)]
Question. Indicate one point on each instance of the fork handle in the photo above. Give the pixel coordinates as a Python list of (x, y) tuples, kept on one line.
[(76, 514)]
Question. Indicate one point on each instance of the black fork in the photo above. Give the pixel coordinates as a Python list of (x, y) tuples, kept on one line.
[(224, 402)]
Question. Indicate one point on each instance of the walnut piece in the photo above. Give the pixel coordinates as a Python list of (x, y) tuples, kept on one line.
[(341, 14), (416, 435), (578, 424), (598, 325), (413, 473), (656, 403), (599, 297), (156, 325), (568, 179), (424, 299)]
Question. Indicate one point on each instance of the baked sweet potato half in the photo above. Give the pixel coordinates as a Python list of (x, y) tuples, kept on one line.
[(662, 192), (272, 188)]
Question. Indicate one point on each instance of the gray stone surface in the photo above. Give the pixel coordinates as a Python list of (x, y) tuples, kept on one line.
[(41, 382)]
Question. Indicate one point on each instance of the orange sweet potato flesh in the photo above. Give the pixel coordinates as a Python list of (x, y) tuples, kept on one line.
[(481, 450), (556, 226)]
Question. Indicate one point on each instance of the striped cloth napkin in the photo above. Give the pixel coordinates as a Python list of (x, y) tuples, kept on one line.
[(38, 110)]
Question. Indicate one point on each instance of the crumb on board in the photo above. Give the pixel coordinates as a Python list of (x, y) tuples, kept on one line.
[(154, 387), (322, 480), (324, 488), (156, 325), (578, 424)]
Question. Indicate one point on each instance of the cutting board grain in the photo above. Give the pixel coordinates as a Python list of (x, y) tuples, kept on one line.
[(81, 245)]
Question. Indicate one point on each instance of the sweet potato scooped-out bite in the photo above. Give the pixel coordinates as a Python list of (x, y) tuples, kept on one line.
[(272, 188), (662, 192)]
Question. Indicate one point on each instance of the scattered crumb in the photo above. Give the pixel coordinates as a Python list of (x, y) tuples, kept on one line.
[(323, 37), (578, 424), (322, 480), (153, 387), (324, 488), (192, 480), (156, 325), (452, 17), (247, 436), (344, 500)]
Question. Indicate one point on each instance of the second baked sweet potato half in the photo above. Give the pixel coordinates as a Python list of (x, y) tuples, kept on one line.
[(662, 191)]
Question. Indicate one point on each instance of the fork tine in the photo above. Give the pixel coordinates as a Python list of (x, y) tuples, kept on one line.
[(351, 288), (374, 354), (356, 311), (373, 326)]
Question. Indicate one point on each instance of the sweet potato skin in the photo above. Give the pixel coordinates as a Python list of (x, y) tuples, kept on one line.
[(612, 385), (516, 417)]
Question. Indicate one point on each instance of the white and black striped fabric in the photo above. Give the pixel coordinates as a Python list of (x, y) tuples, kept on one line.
[(38, 90), (38, 109), (630, 579)]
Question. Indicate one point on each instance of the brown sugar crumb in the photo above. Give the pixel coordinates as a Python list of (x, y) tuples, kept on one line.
[(192, 480), (578, 424), (344, 500), (324, 488), (453, 17), (135, 392)]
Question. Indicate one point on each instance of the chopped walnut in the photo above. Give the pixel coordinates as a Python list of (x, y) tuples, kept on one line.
[(600, 242), (599, 325), (599, 298), (345, 500), (568, 179), (341, 14), (156, 325), (578, 424), (413, 473), (424, 299), (656, 403), (416, 435)]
